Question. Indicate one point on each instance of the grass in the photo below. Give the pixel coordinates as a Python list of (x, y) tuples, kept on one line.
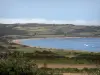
[(62, 61), (66, 53), (32, 28)]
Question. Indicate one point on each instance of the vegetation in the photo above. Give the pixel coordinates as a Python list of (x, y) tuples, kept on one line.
[(15, 63), (52, 55), (76, 70), (21, 66), (48, 30), (8, 29)]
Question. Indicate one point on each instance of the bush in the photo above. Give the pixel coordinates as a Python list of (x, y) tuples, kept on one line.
[(20, 66), (17, 67)]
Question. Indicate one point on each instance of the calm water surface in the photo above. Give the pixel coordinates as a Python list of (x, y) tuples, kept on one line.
[(89, 44)]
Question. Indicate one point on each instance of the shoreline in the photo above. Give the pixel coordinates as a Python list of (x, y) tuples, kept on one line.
[(18, 41), (14, 41), (48, 38)]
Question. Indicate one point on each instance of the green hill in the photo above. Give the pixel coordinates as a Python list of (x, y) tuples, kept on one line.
[(46, 30)]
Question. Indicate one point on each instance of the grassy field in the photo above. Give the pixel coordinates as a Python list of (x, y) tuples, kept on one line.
[(65, 30), (64, 56)]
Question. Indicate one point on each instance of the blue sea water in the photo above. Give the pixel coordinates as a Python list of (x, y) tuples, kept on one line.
[(88, 44)]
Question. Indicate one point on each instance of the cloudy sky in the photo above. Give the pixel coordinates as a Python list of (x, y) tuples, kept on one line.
[(85, 12)]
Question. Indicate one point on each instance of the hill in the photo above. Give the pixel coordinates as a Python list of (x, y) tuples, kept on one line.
[(48, 30)]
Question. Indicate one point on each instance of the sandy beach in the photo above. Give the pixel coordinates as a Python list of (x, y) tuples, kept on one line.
[(43, 38)]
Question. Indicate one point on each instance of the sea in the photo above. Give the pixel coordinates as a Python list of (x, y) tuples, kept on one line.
[(87, 44)]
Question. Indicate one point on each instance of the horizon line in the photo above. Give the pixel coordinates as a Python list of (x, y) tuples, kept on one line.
[(45, 21)]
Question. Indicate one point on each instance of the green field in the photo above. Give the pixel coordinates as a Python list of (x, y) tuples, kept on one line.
[(56, 56)]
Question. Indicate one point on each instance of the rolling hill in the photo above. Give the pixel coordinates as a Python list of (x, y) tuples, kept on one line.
[(46, 30)]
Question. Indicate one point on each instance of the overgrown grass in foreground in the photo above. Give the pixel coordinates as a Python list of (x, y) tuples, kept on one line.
[(16, 64), (21, 66)]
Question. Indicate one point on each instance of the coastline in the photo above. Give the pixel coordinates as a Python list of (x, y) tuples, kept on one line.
[(47, 38), (18, 41), (37, 38)]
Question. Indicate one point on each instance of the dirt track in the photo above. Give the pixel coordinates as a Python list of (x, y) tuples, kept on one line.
[(79, 66), (68, 66), (74, 74)]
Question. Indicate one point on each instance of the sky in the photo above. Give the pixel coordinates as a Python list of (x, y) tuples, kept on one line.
[(85, 12)]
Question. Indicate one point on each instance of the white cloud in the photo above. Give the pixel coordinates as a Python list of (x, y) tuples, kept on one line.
[(76, 22)]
